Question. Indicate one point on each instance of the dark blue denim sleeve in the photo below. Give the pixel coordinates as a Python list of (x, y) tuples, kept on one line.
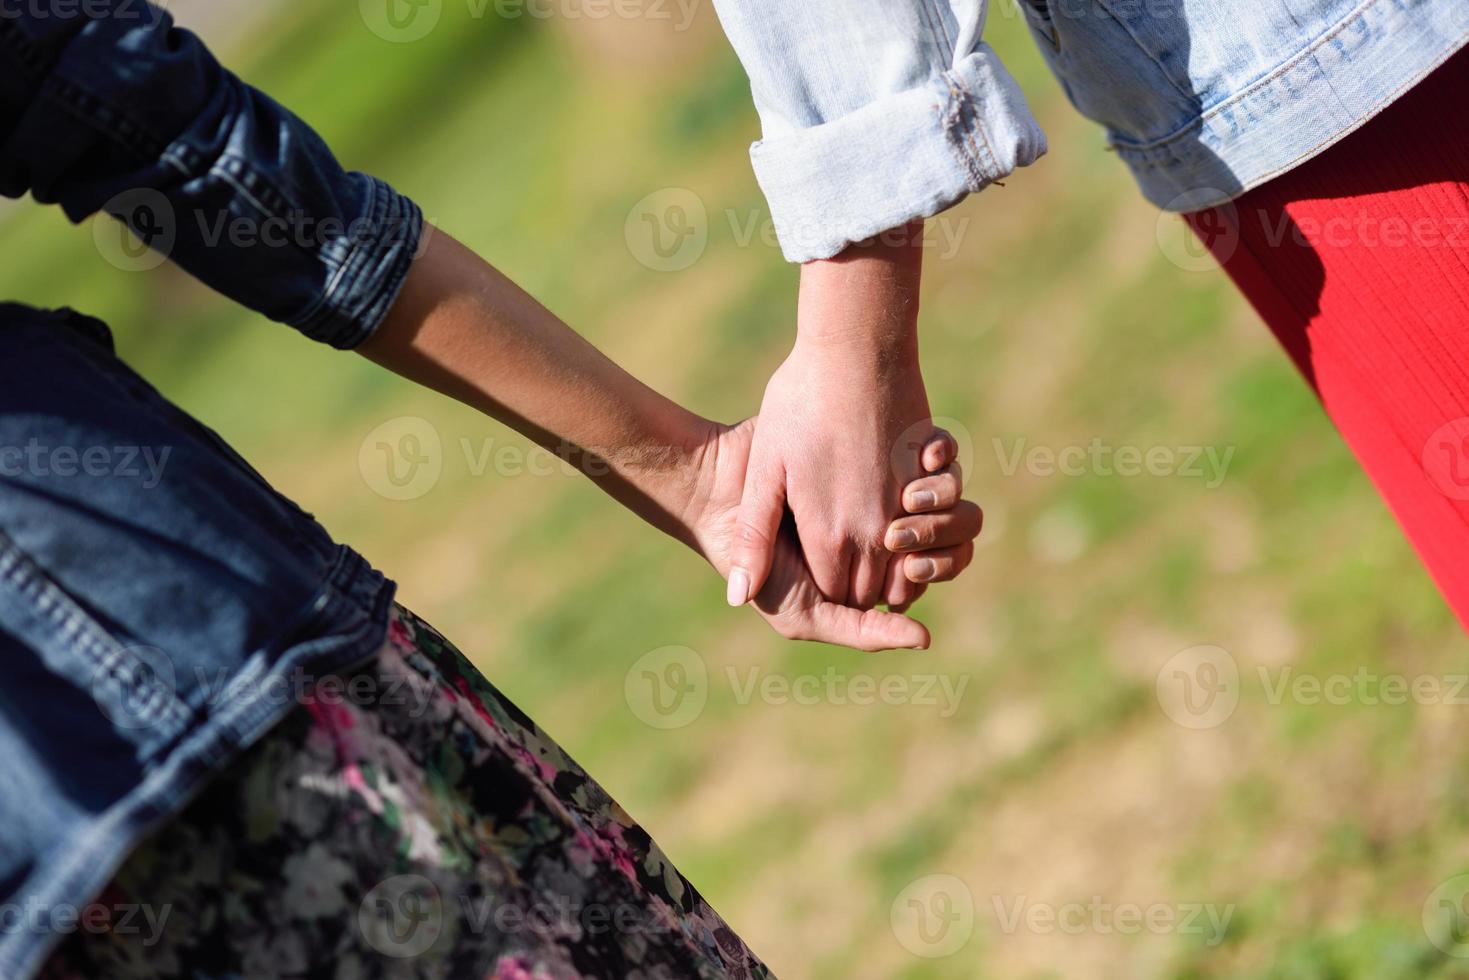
[(105, 104)]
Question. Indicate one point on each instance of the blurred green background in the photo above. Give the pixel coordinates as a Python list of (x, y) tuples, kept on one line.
[(1068, 312)]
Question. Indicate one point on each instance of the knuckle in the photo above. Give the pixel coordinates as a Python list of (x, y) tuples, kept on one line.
[(751, 535)]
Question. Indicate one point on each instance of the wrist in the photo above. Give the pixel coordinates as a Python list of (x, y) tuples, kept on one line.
[(661, 477)]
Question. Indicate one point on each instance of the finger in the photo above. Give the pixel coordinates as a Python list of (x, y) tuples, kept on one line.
[(869, 575), (923, 532), (921, 589), (761, 510), (940, 450), (871, 630), (938, 492), (897, 592), (832, 565), (941, 565)]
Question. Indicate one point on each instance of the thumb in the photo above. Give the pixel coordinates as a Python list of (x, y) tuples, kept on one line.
[(761, 509), (872, 630)]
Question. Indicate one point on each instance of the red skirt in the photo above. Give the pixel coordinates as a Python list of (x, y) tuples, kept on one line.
[(1359, 262)]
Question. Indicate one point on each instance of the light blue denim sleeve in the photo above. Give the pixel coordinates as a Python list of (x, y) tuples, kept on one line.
[(874, 113)]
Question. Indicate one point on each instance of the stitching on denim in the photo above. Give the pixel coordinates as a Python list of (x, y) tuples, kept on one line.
[(962, 99), (1144, 163), (1277, 72), (1316, 148), (79, 629), (219, 171), (117, 126), (353, 256)]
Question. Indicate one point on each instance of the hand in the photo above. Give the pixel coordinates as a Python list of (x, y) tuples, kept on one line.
[(827, 445), (790, 599)]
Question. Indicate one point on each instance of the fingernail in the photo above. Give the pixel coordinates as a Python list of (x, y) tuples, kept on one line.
[(903, 537), (924, 500), (739, 587), (922, 569)]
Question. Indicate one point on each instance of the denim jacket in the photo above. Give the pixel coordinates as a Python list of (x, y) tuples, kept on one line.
[(160, 605), (878, 112)]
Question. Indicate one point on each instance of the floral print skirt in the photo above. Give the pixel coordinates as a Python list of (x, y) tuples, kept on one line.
[(406, 821)]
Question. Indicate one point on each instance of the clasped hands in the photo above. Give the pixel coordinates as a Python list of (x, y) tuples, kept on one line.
[(840, 497), (851, 498)]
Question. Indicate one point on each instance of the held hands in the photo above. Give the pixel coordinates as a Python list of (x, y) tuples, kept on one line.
[(940, 530), (839, 436), (848, 393), (828, 448)]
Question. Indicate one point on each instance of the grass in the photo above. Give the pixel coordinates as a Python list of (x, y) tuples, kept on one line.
[(1059, 321)]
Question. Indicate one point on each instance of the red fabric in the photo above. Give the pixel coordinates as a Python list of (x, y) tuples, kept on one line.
[(1359, 262)]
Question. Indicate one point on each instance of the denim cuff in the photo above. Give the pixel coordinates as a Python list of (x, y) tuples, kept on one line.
[(372, 260), (905, 157)]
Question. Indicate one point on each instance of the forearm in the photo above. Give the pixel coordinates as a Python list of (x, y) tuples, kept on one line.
[(463, 329), (862, 305)]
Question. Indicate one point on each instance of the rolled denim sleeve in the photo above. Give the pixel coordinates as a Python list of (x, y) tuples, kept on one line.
[(106, 105), (874, 113)]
